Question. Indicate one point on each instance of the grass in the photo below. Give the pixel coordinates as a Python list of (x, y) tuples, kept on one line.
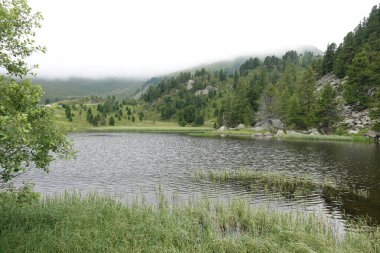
[(351, 138), (150, 124), (74, 223), (288, 185)]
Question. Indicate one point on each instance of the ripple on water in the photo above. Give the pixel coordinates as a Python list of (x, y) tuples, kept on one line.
[(122, 164)]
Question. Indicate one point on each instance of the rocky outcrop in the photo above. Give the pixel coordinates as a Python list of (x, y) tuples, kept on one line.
[(189, 84), (205, 91), (333, 80), (355, 120), (352, 120)]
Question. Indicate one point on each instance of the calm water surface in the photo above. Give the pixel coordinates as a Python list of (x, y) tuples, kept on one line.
[(125, 164)]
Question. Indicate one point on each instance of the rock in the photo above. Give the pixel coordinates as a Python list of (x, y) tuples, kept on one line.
[(222, 128), (352, 132), (269, 124), (292, 132), (348, 121), (240, 126), (205, 91), (313, 131), (267, 134), (280, 133), (257, 135), (189, 84), (331, 79)]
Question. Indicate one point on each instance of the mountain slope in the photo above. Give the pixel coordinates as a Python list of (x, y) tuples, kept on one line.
[(81, 87)]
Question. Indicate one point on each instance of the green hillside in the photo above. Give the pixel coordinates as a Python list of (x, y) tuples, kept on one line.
[(58, 89)]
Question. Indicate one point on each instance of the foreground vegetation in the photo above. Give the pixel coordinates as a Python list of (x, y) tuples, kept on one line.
[(73, 223)]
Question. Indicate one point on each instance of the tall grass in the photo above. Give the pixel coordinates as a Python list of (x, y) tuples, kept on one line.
[(73, 223), (288, 185), (354, 138)]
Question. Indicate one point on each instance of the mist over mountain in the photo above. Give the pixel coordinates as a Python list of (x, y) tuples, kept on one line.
[(74, 87)]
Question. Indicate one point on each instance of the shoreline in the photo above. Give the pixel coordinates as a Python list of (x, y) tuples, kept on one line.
[(208, 132)]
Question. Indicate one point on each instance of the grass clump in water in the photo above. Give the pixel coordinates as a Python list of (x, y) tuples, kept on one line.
[(73, 223), (288, 185), (270, 181)]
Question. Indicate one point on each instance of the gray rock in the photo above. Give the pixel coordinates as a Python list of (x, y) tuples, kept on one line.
[(255, 135), (222, 128), (313, 131), (240, 126), (280, 133), (352, 132), (269, 124), (267, 134), (189, 84), (292, 132)]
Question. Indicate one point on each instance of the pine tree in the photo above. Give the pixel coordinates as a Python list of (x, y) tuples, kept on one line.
[(306, 97), (111, 121), (328, 59), (327, 112), (360, 80)]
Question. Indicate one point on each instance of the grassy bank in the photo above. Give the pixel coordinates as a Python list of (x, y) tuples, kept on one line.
[(249, 134), (152, 124), (71, 223)]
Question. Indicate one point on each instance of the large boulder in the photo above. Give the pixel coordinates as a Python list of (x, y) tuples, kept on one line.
[(280, 133), (240, 126), (222, 128)]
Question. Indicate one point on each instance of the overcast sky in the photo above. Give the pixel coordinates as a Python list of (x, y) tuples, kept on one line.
[(98, 38)]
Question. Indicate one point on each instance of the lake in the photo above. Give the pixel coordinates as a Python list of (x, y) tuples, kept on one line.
[(130, 164)]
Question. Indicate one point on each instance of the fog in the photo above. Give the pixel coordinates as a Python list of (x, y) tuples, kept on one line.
[(116, 38)]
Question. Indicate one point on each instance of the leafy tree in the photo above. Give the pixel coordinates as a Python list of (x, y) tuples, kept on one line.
[(18, 23), (28, 135), (133, 118)]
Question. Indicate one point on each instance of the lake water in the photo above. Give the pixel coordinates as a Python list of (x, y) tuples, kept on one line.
[(128, 164)]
